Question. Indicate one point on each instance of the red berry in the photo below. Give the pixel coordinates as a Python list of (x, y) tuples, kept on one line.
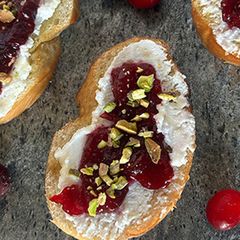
[(4, 180), (231, 12), (143, 3), (223, 209)]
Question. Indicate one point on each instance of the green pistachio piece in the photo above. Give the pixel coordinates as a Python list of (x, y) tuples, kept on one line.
[(110, 107), (167, 97), (114, 167), (74, 172), (146, 82), (140, 117), (92, 207), (102, 144), (126, 155), (98, 181), (107, 180), (87, 171), (144, 103), (153, 149), (115, 134), (120, 184), (138, 94), (133, 104), (137, 118), (93, 193), (103, 169), (89, 188), (133, 142), (111, 193), (124, 111), (102, 198), (139, 70), (126, 126), (146, 134)]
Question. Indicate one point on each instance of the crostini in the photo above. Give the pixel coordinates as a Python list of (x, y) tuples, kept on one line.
[(29, 49), (117, 170), (218, 25)]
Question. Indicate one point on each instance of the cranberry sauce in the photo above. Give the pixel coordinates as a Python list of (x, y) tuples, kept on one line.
[(17, 32), (140, 166), (231, 12)]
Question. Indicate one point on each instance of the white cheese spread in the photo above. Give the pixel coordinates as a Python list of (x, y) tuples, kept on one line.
[(173, 120), (22, 68), (228, 39)]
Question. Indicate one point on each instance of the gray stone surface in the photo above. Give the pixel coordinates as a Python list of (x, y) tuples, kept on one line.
[(215, 96)]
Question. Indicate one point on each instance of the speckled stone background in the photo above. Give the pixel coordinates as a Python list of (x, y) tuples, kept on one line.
[(215, 96)]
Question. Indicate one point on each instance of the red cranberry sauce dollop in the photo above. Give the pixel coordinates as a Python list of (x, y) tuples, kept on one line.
[(16, 33), (231, 12), (75, 199)]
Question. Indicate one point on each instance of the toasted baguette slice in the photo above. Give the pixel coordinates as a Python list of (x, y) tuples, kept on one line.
[(86, 101), (205, 31), (44, 56)]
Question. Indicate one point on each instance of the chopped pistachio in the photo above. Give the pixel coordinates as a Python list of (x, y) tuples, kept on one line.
[(103, 169), (139, 70), (93, 193), (146, 82), (102, 144), (126, 126), (87, 171), (6, 16), (133, 142), (102, 198), (98, 181), (139, 118), (114, 167), (115, 134), (116, 144), (153, 149), (74, 172), (120, 184), (146, 134), (111, 193), (126, 155), (144, 103), (107, 180), (95, 166), (138, 94), (110, 107), (166, 96), (133, 104), (92, 207), (89, 188), (144, 115), (124, 111)]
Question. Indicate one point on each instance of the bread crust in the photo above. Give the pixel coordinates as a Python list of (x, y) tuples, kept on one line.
[(87, 105), (208, 38), (44, 56)]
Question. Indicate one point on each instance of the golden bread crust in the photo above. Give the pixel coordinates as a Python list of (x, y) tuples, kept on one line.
[(86, 100), (208, 39), (43, 62)]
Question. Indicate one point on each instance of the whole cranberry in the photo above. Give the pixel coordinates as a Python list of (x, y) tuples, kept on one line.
[(223, 209), (4, 180), (143, 3)]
